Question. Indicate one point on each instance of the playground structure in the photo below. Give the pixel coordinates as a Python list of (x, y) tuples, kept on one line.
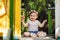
[(8, 12), (16, 18)]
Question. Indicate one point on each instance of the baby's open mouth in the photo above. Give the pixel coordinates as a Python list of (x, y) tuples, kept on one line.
[(32, 18)]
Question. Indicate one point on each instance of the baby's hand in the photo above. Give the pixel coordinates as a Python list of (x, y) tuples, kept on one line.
[(45, 20), (22, 18)]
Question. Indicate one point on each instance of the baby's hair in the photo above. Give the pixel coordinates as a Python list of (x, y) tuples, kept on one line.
[(33, 11)]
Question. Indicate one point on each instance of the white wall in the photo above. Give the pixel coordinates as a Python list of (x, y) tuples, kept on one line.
[(57, 15)]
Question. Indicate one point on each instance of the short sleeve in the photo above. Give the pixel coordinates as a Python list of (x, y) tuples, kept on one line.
[(38, 22)]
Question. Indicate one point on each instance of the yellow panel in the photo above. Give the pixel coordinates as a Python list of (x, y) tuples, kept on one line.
[(17, 12), (4, 19), (1, 34)]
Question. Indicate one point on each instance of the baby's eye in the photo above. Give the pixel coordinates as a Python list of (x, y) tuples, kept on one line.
[(30, 15), (33, 16)]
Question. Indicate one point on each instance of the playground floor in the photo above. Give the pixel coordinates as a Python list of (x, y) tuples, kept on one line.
[(37, 38)]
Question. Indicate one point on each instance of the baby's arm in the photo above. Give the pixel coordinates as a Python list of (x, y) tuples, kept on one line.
[(42, 24), (25, 24)]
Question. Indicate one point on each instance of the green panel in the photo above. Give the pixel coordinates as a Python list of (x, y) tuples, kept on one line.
[(11, 18)]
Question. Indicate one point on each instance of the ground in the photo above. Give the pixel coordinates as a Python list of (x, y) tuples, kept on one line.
[(36, 38)]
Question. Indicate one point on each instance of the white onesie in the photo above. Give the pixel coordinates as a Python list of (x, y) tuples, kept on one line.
[(33, 26)]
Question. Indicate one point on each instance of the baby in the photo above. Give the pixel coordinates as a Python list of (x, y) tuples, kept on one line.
[(33, 25)]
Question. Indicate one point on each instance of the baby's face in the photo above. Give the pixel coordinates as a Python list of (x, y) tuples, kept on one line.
[(33, 16)]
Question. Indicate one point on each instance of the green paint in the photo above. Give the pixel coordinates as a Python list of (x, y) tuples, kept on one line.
[(11, 18)]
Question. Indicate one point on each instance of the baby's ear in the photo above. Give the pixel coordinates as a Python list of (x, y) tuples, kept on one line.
[(37, 16), (37, 12)]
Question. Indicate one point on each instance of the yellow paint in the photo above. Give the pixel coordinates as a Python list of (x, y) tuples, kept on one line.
[(17, 8), (4, 18)]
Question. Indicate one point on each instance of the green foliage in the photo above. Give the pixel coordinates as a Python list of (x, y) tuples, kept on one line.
[(32, 5), (49, 22)]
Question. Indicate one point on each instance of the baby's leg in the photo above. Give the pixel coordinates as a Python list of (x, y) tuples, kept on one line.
[(27, 34), (33, 35), (41, 34)]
